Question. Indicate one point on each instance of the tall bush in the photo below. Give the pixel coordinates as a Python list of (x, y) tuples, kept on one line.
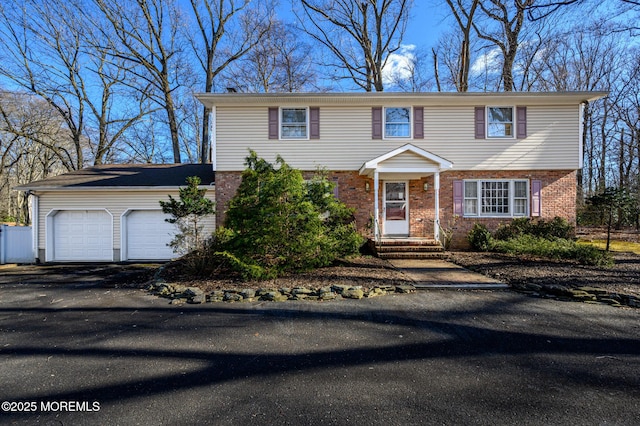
[(279, 222)]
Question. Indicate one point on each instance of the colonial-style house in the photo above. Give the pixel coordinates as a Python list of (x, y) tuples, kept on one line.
[(412, 164)]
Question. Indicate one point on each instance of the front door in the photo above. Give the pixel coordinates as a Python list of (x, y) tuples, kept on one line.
[(396, 209)]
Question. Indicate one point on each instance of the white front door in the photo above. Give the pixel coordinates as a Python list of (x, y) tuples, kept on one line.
[(395, 210)]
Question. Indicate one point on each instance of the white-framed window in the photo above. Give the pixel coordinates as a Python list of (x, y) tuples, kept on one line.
[(500, 122), (496, 198), (397, 122), (294, 123)]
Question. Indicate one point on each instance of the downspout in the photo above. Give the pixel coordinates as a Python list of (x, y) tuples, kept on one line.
[(436, 222), (35, 219), (213, 137), (3, 245)]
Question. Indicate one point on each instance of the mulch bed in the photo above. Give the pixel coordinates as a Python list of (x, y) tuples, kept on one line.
[(520, 272), (623, 278)]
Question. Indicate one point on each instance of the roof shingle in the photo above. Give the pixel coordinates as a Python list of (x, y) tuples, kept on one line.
[(126, 176)]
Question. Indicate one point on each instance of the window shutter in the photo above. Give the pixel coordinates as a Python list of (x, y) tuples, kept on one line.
[(314, 123), (273, 122), (458, 197), (418, 122), (536, 198), (376, 123), (480, 123), (521, 114)]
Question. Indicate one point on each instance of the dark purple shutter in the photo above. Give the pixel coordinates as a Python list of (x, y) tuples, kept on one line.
[(536, 198), (314, 123), (418, 122), (376, 123), (458, 197), (480, 123), (521, 114), (273, 122)]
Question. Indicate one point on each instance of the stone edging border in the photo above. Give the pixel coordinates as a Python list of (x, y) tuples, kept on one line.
[(180, 294), (585, 294)]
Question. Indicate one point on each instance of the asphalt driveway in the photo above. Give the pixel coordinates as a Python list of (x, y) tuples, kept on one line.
[(82, 349)]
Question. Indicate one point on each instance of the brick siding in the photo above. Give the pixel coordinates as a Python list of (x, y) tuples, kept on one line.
[(558, 199)]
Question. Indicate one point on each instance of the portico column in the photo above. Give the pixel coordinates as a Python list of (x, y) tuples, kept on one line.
[(376, 226), (436, 222)]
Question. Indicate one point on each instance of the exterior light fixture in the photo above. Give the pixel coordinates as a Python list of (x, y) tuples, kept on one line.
[(425, 186), (367, 186)]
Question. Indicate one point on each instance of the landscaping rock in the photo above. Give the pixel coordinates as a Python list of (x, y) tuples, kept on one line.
[(232, 297), (248, 293), (339, 288), (592, 290), (405, 289), (353, 293), (330, 295), (196, 300), (192, 292), (274, 296)]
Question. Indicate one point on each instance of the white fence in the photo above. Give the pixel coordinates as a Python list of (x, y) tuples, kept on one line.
[(16, 244)]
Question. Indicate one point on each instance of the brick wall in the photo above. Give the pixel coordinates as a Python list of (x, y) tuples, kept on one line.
[(558, 199)]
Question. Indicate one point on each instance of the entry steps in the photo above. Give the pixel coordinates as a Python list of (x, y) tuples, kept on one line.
[(409, 248)]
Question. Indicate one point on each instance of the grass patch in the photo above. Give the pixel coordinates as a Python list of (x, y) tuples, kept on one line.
[(621, 246)]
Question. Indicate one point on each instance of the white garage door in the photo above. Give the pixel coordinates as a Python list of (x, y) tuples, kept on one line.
[(147, 235), (82, 235)]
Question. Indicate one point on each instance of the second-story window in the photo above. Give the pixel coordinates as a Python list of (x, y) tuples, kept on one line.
[(500, 122), (397, 122), (294, 123)]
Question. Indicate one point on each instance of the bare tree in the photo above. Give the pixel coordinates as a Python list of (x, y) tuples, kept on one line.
[(47, 67), (226, 30), (146, 34), (359, 34), (413, 72), (280, 62), (463, 12), (28, 126), (50, 54), (509, 20)]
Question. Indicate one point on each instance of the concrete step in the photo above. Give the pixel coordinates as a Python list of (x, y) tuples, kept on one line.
[(410, 248), (412, 255), (408, 242)]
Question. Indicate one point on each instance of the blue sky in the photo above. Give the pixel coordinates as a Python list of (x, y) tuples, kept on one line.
[(425, 25)]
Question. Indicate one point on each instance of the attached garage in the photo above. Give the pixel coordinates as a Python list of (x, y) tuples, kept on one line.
[(146, 235), (81, 235), (111, 213)]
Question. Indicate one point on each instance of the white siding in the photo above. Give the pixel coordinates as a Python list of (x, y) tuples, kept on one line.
[(345, 139), (115, 202), (406, 160)]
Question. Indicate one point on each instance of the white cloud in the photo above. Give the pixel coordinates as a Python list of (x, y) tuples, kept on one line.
[(399, 64), (489, 60)]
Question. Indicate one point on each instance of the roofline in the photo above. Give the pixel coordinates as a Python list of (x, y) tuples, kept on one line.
[(101, 188), (443, 98)]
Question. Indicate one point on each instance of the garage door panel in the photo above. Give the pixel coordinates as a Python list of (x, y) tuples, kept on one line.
[(148, 235), (82, 235)]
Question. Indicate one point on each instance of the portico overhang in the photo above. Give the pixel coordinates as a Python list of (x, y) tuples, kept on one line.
[(407, 162)]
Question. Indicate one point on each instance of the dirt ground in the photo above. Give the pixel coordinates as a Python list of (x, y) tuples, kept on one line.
[(367, 271), (623, 278)]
